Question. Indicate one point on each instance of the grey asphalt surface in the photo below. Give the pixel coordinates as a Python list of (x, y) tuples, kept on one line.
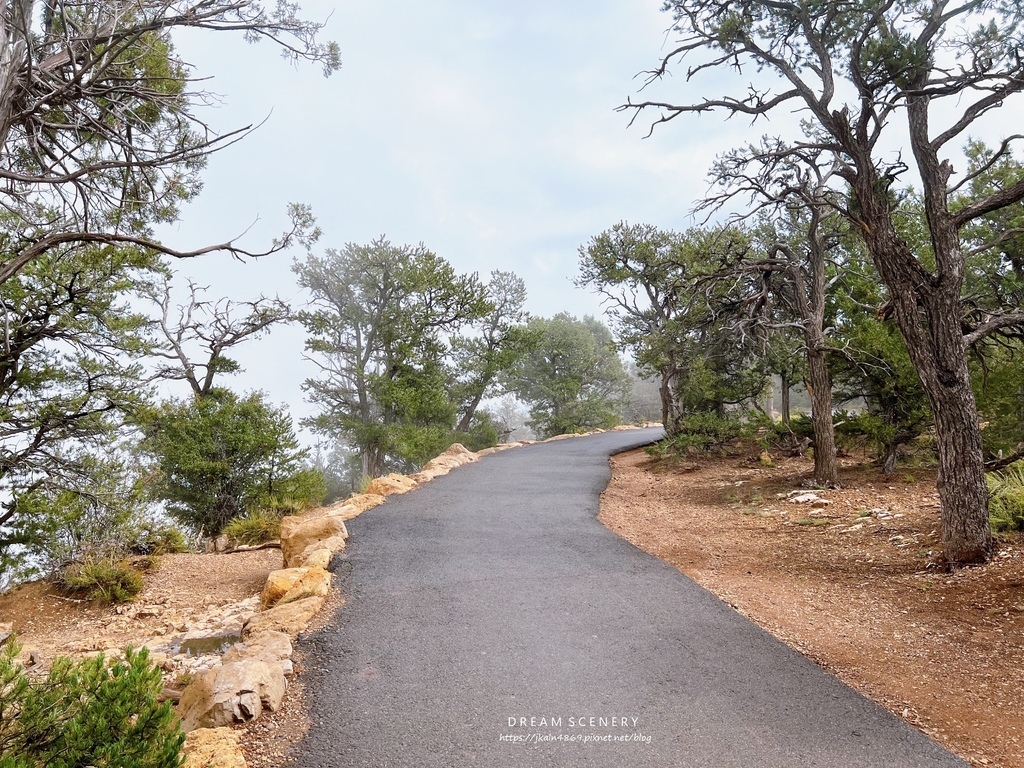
[(492, 621)]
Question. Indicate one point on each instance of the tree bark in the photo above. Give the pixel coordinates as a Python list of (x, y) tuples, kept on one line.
[(669, 407), (889, 451), (467, 417), (927, 310), (826, 467), (785, 387)]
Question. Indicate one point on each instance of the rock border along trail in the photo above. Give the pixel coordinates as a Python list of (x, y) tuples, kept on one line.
[(491, 620)]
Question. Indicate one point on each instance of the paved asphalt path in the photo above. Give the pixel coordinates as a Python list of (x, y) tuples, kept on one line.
[(492, 621)]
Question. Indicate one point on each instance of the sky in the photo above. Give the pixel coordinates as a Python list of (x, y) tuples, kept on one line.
[(485, 130)]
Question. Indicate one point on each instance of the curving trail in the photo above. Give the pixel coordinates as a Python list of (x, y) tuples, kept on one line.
[(492, 621)]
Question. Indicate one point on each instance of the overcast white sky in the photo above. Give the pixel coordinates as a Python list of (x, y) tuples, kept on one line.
[(486, 130)]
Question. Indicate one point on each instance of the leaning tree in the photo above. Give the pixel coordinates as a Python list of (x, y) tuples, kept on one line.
[(867, 76)]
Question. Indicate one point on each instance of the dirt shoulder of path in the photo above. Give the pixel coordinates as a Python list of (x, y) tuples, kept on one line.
[(851, 581)]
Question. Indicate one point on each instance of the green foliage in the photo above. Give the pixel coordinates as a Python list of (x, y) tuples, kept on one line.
[(876, 366), (772, 434), (998, 374), (378, 325), (254, 528), (699, 433), (158, 538), (102, 579), (994, 289), (103, 516), (1006, 498), (86, 715), (676, 323), (296, 492), (482, 434), (572, 379), (222, 455), (496, 344), (69, 378)]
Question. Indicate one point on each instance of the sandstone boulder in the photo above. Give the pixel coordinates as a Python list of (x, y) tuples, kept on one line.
[(455, 456), (316, 556), (232, 693), (297, 533), (213, 748), (288, 583), (432, 469), (315, 582), (344, 511), (278, 583), (332, 545), (390, 485), (290, 618), (442, 465), (364, 501), (460, 451), (271, 647)]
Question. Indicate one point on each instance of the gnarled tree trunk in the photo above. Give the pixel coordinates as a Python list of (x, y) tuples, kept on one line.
[(927, 310)]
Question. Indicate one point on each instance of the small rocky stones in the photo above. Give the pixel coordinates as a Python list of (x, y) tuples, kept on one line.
[(807, 497), (213, 748)]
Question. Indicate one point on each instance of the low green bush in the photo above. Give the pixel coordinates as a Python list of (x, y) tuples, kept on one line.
[(698, 433), (86, 714), (255, 528), (1006, 498), (157, 539), (104, 579)]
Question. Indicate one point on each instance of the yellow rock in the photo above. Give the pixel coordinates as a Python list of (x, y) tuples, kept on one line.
[(213, 748), (330, 545), (290, 618), (278, 583), (316, 581), (298, 533), (291, 582), (364, 501), (391, 484), (317, 558), (461, 451)]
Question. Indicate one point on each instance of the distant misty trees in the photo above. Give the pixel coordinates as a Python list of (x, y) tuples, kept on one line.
[(572, 378), (409, 350)]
